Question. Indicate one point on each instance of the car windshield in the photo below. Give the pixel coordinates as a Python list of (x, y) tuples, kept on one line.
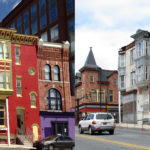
[(64, 138), (101, 116)]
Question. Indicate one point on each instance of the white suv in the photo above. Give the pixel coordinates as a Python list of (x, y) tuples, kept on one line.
[(100, 121)]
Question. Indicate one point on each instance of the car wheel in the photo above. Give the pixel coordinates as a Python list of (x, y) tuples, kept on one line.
[(90, 131), (111, 132), (51, 147), (80, 130)]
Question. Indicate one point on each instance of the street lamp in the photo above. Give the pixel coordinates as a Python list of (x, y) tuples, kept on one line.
[(100, 90), (77, 110)]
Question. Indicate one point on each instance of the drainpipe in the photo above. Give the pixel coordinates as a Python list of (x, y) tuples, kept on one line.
[(62, 62), (119, 102), (8, 128)]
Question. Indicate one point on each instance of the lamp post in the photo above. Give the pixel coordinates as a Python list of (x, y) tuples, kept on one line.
[(8, 127), (100, 90), (77, 110)]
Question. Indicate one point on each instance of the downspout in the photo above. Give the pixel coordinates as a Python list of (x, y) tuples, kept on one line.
[(8, 127), (63, 79)]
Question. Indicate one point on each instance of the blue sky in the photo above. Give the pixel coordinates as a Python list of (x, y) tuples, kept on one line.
[(107, 25), (6, 6)]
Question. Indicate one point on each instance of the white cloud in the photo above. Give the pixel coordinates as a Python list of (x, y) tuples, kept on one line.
[(107, 25), (105, 46), (113, 12)]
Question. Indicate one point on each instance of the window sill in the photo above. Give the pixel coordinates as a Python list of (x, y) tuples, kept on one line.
[(33, 107), (19, 95), (3, 128), (18, 64)]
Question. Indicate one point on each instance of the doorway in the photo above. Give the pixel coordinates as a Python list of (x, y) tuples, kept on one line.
[(20, 121)]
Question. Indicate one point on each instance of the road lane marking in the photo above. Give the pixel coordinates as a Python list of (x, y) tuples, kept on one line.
[(114, 142)]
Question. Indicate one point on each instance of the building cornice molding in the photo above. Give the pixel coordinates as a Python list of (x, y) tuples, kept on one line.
[(10, 34)]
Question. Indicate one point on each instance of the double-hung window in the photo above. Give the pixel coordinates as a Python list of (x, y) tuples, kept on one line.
[(131, 57), (2, 116), (19, 85), (17, 55), (33, 99), (111, 95)]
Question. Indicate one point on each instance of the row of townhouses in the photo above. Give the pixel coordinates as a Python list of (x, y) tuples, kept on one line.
[(35, 96), (134, 78), (37, 76)]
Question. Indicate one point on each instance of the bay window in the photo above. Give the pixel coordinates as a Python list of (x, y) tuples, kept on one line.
[(141, 48), (122, 61)]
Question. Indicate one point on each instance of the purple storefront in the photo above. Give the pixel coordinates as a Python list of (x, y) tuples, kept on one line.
[(54, 123)]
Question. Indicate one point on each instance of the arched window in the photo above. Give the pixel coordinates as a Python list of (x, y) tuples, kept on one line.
[(56, 73), (47, 72), (33, 99), (54, 100)]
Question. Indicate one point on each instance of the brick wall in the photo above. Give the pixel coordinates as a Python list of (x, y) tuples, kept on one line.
[(113, 87), (54, 56), (86, 86)]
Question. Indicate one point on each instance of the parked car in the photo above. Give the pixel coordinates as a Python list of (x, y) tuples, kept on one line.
[(100, 121), (55, 143)]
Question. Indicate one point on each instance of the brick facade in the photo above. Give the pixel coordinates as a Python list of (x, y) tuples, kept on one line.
[(54, 54), (89, 82)]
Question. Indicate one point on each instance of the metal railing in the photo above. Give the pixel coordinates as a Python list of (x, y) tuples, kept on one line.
[(28, 135)]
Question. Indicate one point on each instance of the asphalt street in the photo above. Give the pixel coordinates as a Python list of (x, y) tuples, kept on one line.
[(123, 139)]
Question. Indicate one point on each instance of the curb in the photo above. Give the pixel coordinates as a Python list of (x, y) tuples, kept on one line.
[(16, 146), (136, 126)]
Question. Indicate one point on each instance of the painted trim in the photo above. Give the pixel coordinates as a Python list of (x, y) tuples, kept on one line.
[(20, 107), (97, 106), (34, 124), (4, 126), (34, 71), (5, 137), (50, 44), (33, 93)]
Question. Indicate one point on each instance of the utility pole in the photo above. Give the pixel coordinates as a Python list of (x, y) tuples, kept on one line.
[(8, 127), (77, 107), (119, 103), (100, 90), (77, 110)]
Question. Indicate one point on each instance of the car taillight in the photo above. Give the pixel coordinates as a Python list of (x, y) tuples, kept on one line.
[(93, 122)]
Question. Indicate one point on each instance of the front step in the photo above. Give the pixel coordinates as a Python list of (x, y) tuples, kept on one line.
[(24, 140)]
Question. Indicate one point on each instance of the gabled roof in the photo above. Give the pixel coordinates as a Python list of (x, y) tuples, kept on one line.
[(103, 75)]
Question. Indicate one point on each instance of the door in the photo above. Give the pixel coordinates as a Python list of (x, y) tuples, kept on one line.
[(20, 121), (35, 132), (60, 128)]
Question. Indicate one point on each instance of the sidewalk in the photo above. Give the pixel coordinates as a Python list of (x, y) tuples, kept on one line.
[(15, 146), (137, 126)]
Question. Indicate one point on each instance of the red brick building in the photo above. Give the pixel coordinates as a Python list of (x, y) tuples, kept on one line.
[(54, 89), (51, 20), (96, 88), (19, 96)]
